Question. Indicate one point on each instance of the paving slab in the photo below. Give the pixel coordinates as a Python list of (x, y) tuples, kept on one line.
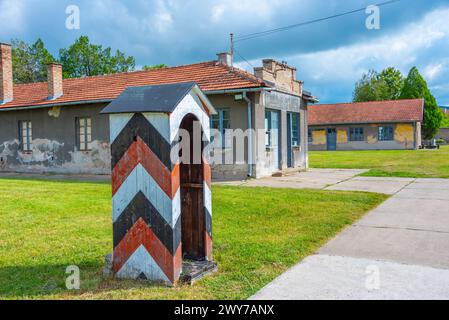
[(368, 184), (327, 277), (423, 193), (417, 214), (394, 244)]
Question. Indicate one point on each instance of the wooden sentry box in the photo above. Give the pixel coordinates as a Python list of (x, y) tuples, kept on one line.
[(161, 206)]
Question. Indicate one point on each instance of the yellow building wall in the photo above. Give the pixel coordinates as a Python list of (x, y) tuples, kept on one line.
[(342, 136), (318, 137), (404, 133)]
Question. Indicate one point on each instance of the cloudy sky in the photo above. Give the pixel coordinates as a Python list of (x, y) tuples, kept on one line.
[(329, 55)]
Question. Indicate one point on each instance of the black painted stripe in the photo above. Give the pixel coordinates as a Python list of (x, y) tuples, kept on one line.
[(139, 126), (208, 220), (141, 207)]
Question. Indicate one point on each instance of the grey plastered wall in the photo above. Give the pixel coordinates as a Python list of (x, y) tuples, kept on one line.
[(284, 103), (238, 114), (54, 141)]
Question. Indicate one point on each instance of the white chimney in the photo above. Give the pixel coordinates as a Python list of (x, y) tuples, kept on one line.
[(6, 80), (54, 79), (225, 58)]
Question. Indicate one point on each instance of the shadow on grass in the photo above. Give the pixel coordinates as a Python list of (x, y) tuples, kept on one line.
[(39, 282)]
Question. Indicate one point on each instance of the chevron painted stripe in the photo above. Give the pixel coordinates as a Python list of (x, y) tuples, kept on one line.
[(140, 153), (141, 265), (141, 234), (139, 126), (140, 181), (141, 208)]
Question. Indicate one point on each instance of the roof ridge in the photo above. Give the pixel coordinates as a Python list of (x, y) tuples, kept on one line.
[(120, 73), (380, 101)]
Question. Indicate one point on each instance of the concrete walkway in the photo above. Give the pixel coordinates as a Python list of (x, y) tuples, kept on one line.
[(329, 179), (400, 250)]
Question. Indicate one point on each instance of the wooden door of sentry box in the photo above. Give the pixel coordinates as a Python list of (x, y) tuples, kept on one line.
[(147, 187), (193, 227)]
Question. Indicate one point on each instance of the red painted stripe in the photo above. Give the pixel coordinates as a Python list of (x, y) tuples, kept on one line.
[(208, 245), (207, 173), (141, 234), (137, 153)]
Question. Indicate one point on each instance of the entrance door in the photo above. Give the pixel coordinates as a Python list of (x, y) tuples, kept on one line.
[(331, 139), (192, 201)]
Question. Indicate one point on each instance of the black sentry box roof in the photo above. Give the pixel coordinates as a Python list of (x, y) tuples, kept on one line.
[(158, 98)]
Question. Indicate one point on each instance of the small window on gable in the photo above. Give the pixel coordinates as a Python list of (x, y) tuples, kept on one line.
[(26, 136), (356, 134), (386, 133), (84, 133)]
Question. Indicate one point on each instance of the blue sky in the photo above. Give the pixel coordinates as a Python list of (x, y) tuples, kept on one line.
[(330, 56)]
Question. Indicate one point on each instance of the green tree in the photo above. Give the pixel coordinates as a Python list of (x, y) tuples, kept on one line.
[(85, 59), (370, 88), (157, 66), (394, 80), (416, 87), (375, 86), (30, 61), (445, 121)]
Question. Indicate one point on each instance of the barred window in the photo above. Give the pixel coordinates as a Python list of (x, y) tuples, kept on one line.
[(386, 133), (84, 133), (26, 136), (356, 134)]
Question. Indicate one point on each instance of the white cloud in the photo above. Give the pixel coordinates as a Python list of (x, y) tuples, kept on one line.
[(11, 17), (431, 71), (410, 45)]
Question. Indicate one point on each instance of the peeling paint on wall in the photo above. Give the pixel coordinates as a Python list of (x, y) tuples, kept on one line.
[(54, 112), (342, 136), (319, 137), (371, 139), (98, 159), (404, 133)]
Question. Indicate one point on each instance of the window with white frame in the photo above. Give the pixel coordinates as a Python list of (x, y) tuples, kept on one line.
[(84, 133), (26, 136), (220, 122)]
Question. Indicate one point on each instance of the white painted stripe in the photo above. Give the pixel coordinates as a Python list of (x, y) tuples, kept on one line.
[(161, 122), (116, 124), (140, 180), (188, 105), (142, 262), (207, 198)]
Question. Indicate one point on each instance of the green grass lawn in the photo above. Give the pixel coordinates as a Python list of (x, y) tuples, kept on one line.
[(387, 163), (46, 226)]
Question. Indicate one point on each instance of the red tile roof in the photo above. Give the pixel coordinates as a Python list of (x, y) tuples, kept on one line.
[(209, 76), (367, 112)]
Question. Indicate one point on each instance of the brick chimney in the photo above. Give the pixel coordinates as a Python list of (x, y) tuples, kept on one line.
[(279, 73), (6, 80), (54, 76), (225, 58)]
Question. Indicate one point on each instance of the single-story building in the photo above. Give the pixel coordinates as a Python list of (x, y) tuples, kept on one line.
[(366, 125), (56, 126)]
